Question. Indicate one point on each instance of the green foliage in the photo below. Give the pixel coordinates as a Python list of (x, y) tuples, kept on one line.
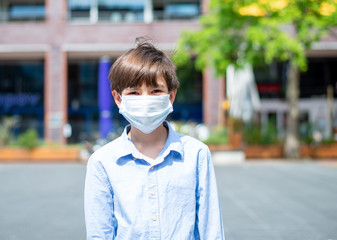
[(28, 139), (328, 141), (6, 126), (254, 134), (235, 124), (256, 31), (269, 134), (218, 136), (305, 133)]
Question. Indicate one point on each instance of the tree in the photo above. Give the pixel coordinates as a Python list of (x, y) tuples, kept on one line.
[(261, 31)]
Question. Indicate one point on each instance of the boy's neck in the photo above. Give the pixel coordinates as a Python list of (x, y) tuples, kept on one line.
[(150, 144)]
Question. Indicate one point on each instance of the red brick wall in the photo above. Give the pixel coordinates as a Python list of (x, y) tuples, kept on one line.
[(213, 95), (53, 34)]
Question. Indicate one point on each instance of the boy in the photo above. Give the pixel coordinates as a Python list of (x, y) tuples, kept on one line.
[(151, 182)]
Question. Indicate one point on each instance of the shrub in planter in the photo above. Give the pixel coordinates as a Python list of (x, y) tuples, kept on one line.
[(235, 125), (218, 136), (262, 142), (254, 134), (28, 139), (6, 126)]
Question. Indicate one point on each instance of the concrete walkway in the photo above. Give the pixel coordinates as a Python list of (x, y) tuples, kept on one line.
[(41, 201), (259, 200), (279, 200)]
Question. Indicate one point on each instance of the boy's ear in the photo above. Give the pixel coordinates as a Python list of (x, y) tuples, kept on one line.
[(173, 94), (117, 98)]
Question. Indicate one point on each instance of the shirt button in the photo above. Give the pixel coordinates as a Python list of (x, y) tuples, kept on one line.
[(134, 159), (154, 218), (152, 192), (152, 168)]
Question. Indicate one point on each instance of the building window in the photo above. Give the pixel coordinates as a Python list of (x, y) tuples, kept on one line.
[(79, 9), (106, 10), (21, 94), (173, 9), (181, 11), (26, 12), (117, 11), (271, 80), (82, 99), (22, 10), (132, 10), (188, 103), (321, 73)]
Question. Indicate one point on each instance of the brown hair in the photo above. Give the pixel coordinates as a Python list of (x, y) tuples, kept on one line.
[(143, 64)]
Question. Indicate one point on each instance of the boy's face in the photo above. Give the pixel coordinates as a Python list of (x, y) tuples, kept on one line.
[(161, 89)]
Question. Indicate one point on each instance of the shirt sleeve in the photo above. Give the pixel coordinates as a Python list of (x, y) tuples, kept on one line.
[(208, 219), (98, 203)]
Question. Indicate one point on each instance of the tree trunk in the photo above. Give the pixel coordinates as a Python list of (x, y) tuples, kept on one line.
[(292, 146)]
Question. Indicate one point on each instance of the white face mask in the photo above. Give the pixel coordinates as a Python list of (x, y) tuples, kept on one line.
[(146, 112)]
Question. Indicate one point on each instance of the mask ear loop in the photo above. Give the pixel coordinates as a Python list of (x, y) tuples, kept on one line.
[(120, 96), (170, 96)]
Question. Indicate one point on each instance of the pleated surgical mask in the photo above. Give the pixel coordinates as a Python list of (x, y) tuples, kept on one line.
[(146, 112)]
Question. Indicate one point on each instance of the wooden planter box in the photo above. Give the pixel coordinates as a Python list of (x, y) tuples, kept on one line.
[(277, 151), (220, 148), (235, 140), (234, 143), (319, 151), (264, 151), (40, 154)]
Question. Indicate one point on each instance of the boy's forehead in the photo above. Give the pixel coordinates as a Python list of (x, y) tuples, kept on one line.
[(160, 82), (144, 85)]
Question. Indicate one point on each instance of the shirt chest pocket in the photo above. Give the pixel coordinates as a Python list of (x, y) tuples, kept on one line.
[(182, 182), (181, 191), (180, 201)]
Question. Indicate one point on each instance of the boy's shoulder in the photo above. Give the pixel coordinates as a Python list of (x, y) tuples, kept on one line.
[(108, 151), (191, 142)]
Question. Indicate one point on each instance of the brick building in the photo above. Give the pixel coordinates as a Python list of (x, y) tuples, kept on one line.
[(62, 44), (51, 53)]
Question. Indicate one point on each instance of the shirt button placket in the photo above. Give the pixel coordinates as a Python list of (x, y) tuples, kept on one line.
[(154, 204)]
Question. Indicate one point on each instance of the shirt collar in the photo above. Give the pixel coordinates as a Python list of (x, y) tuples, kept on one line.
[(173, 143)]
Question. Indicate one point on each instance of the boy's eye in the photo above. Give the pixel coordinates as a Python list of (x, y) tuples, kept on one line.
[(157, 91), (132, 93)]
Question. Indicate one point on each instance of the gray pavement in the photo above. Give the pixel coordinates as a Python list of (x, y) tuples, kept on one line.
[(41, 201), (279, 200), (260, 200)]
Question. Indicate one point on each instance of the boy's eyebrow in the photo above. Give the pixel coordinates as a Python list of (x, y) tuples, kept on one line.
[(131, 88), (161, 85)]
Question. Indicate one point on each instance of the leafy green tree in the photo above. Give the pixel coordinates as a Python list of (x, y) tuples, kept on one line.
[(261, 31)]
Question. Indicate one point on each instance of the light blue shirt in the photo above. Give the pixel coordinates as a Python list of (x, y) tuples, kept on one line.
[(173, 197)]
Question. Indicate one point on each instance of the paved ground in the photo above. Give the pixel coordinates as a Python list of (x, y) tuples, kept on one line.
[(260, 200), (288, 201), (41, 201)]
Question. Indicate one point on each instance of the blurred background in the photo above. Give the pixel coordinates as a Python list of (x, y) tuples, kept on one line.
[(258, 79), (55, 57)]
